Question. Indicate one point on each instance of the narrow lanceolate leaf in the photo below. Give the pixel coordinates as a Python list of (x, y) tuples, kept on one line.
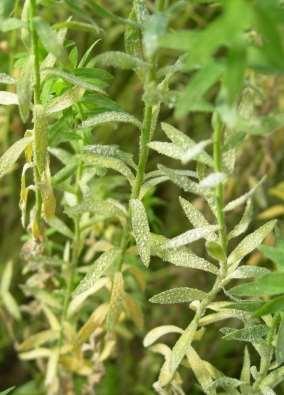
[(242, 199), (6, 79), (251, 334), (178, 295), (7, 391), (158, 332), (182, 256), (120, 60), (102, 264), (8, 98), (190, 236), (213, 180), (242, 226), (109, 163), (141, 230), (40, 138), (110, 116), (74, 80), (194, 152), (66, 100), (50, 41), (280, 344), (9, 158), (269, 284), (250, 242), (169, 149), (200, 368), (249, 272), (25, 88), (116, 301), (195, 217), (182, 181), (185, 142)]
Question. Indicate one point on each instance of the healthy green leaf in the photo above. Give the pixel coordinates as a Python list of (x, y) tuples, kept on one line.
[(269, 284), (273, 306), (276, 253), (49, 40), (141, 230)]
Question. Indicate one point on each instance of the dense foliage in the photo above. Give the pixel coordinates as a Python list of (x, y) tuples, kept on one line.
[(142, 245)]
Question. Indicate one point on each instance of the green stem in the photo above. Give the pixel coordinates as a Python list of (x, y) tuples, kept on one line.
[(37, 89), (266, 360), (219, 192), (161, 5)]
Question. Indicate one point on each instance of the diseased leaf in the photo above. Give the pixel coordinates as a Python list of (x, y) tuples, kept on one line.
[(49, 40), (119, 60), (141, 230), (178, 295), (242, 226), (200, 369), (182, 181), (8, 98), (212, 180), (182, 256), (182, 140), (133, 311), (102, 264), (242, 199), (279, 352), (10, 157), (195, 217), (158, 332), (250, 243), (66, 100), (25, 88), (190, 236), (249, 272), (252, 334), (116, 301), (6, 79), (60, 227), (110, 116)]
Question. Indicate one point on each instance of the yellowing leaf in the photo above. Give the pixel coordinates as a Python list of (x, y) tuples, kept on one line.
[(272, 212), (141, 230), (9, 158), (158, 332), (116, 301)]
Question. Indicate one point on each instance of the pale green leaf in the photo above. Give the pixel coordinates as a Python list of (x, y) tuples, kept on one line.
[(182, 140), (8, 98), (242, 199), (269, 284), (249, 272), (60, 227), (141, 230), (119, 60), (9, 158), (158, 332), (7, 391), (181, 180), (97, 270), (49, 40), (111, 116), (279, 351), (73, 79), (25, 88), (253, 334), (66, 100), (6, 277), (11, 305), (250, 243), (178, 295), (182, 256), (191, 236), (242, 226), (200, 369)]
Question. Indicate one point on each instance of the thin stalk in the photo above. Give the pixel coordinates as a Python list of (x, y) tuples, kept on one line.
[(160, 5), (219, 192), (266, 362), (37, 89)]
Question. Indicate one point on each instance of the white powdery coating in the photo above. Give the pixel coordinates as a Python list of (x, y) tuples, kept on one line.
[(242, 226), (242, 199), (119, 59), (141, 230), (178, 295), (6, 79), (101, 265), (213, 180), (111, 116), (194, 151), (195, 217), (64, 101), (8, 98), (250, 242), (182, 181), (169, 149), (190, 236), (8, 159)]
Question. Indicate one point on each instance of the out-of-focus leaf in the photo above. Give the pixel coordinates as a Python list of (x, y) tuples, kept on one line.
[(116, 301), (66, 100), (119, 60), (276, 253), (280, 344), (8, 98), (10, 157), (6, 79), (25, 88), (110, 116)]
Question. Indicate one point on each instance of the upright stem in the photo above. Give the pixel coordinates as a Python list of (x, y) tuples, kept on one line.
[(219, 192), (37, 89), (160, 5)]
